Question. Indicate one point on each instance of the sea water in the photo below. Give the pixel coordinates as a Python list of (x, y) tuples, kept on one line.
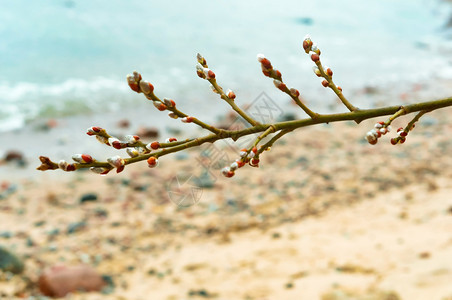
[(66, 57)]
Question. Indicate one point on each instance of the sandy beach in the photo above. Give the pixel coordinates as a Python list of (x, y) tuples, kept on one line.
[(326, 216)]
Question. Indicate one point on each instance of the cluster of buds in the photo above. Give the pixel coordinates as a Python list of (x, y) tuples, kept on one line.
[(311, 48), (117, 162), (134, 81), (267, 68), (401, 136), (380, 129), (246, 156), (204, 73)]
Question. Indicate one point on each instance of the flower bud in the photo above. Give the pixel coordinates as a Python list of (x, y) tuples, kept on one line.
[(231, 94), (62, 164), (280, 85), (132, 152), (116, 161), (133, 84), (315, 57), (329, 72), (160, 106), (255, 162), (100, 170), (325, 83), (146, 87), (200, 71), (136, 76), (154, 145), (201, 59), (82, 158), (187, 119), (169, 102), (131, 139), (227, 172), (93, 130), (170, 140), (173, 115), (152, 162), (209, 73), (294, 92)]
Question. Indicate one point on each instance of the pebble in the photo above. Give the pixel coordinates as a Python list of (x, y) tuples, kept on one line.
[(88, 197), (148, 132), (60, 280), (74, 227), (9, 262)]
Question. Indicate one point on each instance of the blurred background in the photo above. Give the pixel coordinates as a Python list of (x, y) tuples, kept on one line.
[(326, 216)]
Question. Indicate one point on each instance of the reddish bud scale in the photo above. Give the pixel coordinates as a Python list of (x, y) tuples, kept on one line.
[(188, 119), (119, 169), (339, 88), (161, 107), (201, 74), (105, 172), (255, 161), (70, 167), (403, 134), (394, 141), (315, 57), (151, 87), (152, 162), (117, 145), (373, 142), (231, 95), (211, 74), (87, 158), (134, 87), (240, 163), (402, 140), (294, 92), (172, 139), (155, 145), (266, 63), (229, 174), (278, 74), (254, 149), (266, 73), (307, 45), (329, 72), (325, 83)]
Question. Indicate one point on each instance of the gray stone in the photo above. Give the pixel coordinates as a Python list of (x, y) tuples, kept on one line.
[(9, 262)]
